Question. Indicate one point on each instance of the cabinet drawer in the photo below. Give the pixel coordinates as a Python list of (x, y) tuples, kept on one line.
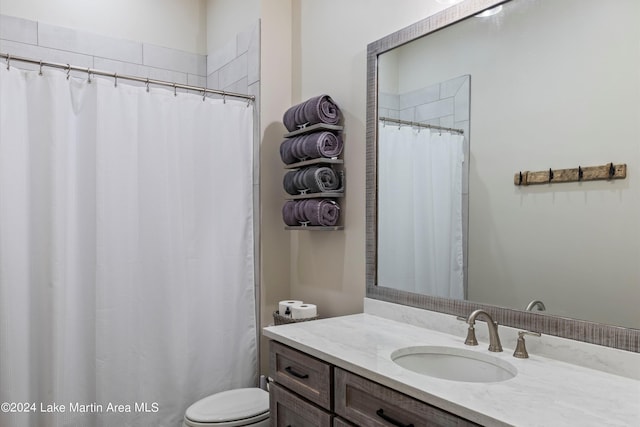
[(339, 422), (309, 377), (288, 410), (364, 402)]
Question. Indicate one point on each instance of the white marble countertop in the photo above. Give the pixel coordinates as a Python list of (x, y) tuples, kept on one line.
[(545, 392)]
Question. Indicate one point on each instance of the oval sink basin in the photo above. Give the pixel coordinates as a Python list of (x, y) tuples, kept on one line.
[(454, 364)]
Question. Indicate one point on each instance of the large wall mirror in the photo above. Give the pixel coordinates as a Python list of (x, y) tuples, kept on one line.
[(532, 85)]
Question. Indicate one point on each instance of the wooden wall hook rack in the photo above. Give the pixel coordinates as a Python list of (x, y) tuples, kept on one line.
[(587, 173)]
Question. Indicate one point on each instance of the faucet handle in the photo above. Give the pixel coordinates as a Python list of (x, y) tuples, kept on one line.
[(471, 332), (471, 336), (521, 349)]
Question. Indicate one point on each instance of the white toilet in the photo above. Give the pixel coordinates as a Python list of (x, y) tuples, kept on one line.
[(232, 408)]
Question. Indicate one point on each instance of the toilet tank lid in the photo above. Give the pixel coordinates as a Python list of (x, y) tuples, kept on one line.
[(229, 405)]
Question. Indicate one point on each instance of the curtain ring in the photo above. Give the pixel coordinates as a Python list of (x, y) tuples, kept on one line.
[(147, 84), (89, 75), (8, 61), (224, 98), (204, 94), (40, 71), (115, 79), (68, 71), (175, 90)]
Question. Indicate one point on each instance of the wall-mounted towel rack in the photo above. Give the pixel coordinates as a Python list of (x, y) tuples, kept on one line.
[(587, 173)]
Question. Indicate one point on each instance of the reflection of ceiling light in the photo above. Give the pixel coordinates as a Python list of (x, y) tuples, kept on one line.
[(489, 12), (448, 2)]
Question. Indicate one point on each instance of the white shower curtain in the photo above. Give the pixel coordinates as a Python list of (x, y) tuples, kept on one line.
[(420, 211), (126, 251)]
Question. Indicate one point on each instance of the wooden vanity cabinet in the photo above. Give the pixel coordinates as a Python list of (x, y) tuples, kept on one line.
[(308, 392)]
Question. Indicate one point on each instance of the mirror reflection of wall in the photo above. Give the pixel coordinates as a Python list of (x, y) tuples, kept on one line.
[(555, 85)]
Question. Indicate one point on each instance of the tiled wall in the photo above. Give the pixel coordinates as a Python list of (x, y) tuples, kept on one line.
[(38, 40), (444, 104), (235, 67)]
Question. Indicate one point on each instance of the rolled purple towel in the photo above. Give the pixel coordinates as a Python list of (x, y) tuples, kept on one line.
[(328, 145), (286, 154), (314, 179), (293, 182), (322, 212), (318, 212), (321, 179), (289, 213), (316, 145), (299, 211), (319, 109)]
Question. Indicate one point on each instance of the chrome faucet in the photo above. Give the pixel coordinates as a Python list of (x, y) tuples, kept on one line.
[(494, 339), (534, 303)]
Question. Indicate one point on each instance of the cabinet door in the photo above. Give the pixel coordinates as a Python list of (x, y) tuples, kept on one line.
[(367, 403), (303, 374), (289, 410)]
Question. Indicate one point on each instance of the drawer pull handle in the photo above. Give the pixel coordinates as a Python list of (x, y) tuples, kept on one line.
[(380, 413), (290, 370)]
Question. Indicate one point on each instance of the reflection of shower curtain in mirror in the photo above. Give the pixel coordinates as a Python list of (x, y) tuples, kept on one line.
[(420, 211)]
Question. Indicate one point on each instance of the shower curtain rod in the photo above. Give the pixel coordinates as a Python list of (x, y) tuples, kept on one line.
[(116, 76), (418, 124)]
